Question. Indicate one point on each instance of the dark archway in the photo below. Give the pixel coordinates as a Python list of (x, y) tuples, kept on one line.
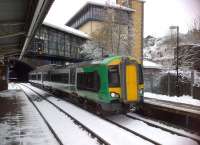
[(18, 71)]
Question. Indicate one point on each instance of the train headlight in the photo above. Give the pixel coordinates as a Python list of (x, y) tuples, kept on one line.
[(141, 91), (114, 95)]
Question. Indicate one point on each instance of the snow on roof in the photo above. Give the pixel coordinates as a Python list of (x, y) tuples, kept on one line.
[(104, 4), (67, 29), (112, 5), (150, 64)]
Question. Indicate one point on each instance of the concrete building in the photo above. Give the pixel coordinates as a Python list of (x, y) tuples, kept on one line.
[(90, 17)]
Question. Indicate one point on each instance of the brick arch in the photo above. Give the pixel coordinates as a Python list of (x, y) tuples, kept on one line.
[(18, 70)]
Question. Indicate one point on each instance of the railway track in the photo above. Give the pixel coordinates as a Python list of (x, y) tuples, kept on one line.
[(118, 120), (46, 122), (132, 131), (101, 140), (164, 127), (121, 126), (128, 130)]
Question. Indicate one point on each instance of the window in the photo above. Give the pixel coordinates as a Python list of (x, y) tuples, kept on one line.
[(39, 77), (88, 81), (52, 42), (33, 77), (45, 77), (61, 43), (72, 75), (113, 76), (141, 81), (60, 78)]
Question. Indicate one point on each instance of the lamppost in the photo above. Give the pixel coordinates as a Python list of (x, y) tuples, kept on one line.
[(177, 62)]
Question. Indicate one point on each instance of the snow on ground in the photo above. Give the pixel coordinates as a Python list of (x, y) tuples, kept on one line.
[(156, 134), (13, 86), (160, 124), (182, 99), (20, 123), (65, 128), (111, 133), (150, 64), (100, 126)]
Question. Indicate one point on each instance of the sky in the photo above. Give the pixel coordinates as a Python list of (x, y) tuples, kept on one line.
[(159, 15)]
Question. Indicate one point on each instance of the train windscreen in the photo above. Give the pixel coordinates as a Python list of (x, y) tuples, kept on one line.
[(113, 76)]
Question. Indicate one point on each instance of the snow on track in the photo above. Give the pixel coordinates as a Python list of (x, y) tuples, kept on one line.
[(153, 133), (64, 127), (100, 126), (110, 132), (159, 124), (22, 125)]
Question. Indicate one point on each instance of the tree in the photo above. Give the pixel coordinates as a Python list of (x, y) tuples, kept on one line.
[(114, 36), (194, 32)]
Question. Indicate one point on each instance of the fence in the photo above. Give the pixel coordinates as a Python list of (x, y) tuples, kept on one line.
[(164, 82)]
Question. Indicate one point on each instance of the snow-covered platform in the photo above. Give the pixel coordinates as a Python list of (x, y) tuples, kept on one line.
[(20, 122), (181, 111), (180, 105)]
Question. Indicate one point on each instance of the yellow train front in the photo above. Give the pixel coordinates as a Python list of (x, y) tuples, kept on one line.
[(130, 86), (111, 84)]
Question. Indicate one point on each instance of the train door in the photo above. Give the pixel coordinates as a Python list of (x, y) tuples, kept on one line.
[(3, 78), (129, 81)]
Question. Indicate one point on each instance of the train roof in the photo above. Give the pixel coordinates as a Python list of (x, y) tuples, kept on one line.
[(46, 68), (103, 61)]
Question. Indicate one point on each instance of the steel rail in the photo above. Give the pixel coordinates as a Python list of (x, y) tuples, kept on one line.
[(163, 128), (133, 132), (140, 135), (46, 122), (118, 125), (101, 140)]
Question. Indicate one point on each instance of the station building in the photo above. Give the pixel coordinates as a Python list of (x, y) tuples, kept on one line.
[(55, 44), (91, 16), (52, 44)]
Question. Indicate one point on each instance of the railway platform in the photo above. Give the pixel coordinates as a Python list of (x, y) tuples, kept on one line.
[(20, 122), (180, 114), (179, 108)]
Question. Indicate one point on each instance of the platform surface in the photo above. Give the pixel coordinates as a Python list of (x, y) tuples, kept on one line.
[(20, 123), (174, 106)]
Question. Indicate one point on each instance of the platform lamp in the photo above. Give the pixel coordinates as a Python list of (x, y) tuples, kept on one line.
[(177, 61)]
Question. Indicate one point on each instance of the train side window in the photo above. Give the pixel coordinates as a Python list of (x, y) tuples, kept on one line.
[(44, 77), (39, 77), (30, 77), (88, 81), (60, 78), (113, 76), (33, 77), (72, 75), (65, 78)]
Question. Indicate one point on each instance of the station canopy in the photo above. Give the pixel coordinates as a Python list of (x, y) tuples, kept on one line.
[(19, 20)]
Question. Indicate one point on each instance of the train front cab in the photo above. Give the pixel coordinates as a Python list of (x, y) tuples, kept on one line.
[(125, 81)]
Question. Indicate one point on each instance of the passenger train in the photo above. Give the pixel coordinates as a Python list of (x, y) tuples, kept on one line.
[(112, 84)]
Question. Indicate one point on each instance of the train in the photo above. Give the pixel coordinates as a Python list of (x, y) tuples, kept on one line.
[(3, 77), (113, 84)]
